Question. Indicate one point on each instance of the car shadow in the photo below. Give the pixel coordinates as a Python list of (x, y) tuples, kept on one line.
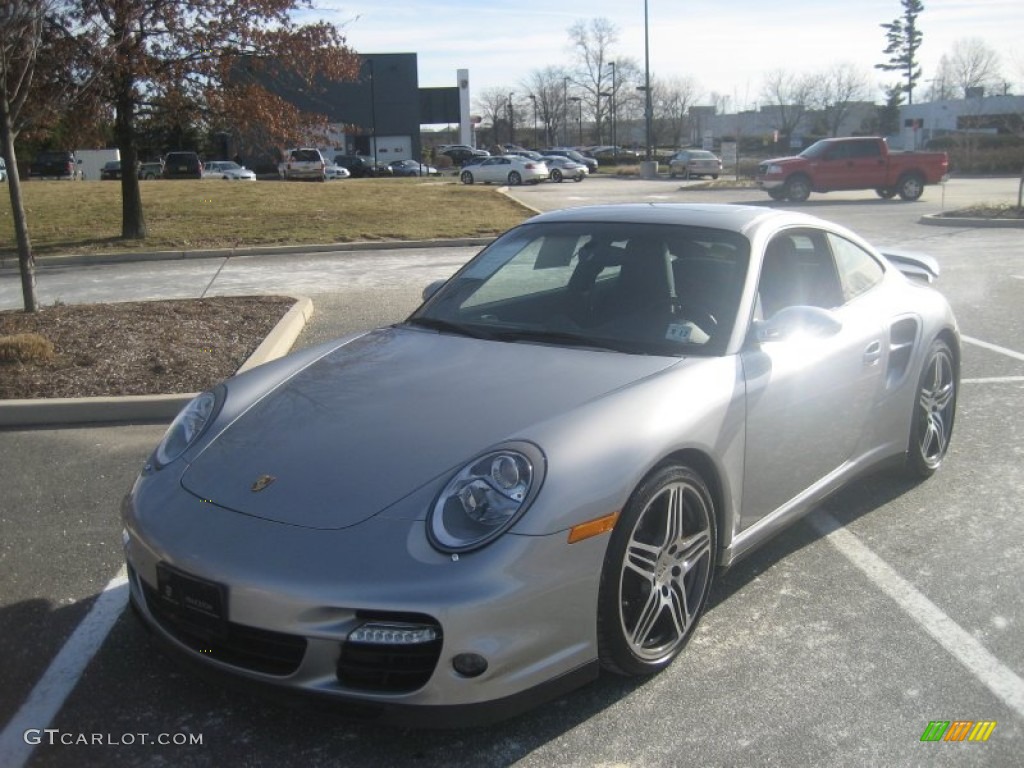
[(855, 500)]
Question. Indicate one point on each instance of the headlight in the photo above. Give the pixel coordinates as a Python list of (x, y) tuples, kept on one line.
[(485, 498), (774, 169), (186, 428)]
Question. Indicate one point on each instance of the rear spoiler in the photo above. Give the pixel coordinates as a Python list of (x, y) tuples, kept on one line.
[(916, 266)]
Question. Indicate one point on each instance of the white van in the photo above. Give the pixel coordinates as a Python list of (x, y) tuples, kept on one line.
[(303, 163)]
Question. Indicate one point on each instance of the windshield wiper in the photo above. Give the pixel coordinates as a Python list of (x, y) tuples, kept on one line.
[(447, 326), (564, 338)]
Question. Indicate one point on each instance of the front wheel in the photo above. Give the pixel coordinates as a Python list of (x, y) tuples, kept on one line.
[(777, 194), (657, 572), (931, 426), (514, 179), (466, 177), (798, 189), (886, 193), (579, 177), (911, 187)]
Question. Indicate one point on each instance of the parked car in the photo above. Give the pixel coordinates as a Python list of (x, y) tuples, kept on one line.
[(152, 170), (110, 170), (412, 168), (227, 169), (856, 162), (573, 154), (609, 403), (460, 154), (690, 163), (362, 167), (182, 165), (614, 154), (565, 168), (334, 172), (304, 163), (53, 164), (506, 169)]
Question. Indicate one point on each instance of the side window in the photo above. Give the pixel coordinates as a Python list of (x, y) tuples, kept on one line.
[(858, 270), (798, 270)]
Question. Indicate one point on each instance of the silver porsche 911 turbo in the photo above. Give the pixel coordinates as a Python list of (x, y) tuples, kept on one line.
[(537, 474)]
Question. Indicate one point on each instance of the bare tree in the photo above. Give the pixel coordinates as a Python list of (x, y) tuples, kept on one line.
[(592, 45), (972, 64), (841, 87), (789, 96), (547, 89), (673, 99), (492, 106)]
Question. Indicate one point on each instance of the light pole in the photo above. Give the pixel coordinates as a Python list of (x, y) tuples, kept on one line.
[(373, 116), (604, 95), (647, 84), (511, 122), (612, 65), (565, 111), (579, 104)]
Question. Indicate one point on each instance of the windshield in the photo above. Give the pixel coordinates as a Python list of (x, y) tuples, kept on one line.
[(638, 288), (816, 150)]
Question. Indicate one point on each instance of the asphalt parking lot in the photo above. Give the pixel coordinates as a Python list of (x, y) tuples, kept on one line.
[(891, 606)]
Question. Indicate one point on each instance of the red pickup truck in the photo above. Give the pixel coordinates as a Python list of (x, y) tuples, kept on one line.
[(852, 163)]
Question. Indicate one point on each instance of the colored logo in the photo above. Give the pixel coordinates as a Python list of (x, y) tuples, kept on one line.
[(958, 730)]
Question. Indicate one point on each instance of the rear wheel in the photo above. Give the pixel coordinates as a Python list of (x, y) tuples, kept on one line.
[(657, 572), (910, 187), (556, 175), (931, 426), (466, 177), (514, 179)]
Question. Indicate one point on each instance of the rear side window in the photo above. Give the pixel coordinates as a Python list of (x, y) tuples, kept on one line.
[(858, 270)]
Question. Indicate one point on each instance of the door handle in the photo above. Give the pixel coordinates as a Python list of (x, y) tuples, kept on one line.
[(873, 353)]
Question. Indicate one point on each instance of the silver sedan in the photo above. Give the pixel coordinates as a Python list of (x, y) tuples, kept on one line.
[(538, 474)]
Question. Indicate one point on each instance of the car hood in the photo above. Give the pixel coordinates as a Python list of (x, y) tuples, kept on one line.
[(783, 160), (378, 418)]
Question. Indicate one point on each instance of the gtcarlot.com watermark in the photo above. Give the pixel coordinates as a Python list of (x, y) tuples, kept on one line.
[(55, 736)]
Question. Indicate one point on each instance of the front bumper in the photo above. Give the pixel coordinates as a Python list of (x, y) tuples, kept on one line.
[(293, 596), (769, 183)]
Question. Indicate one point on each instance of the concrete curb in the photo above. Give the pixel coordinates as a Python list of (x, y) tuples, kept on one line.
[(77, 260), (52, 412), (938, 220)]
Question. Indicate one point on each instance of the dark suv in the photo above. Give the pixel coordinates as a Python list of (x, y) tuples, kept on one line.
[(58, 165), (182, 165), (362, 167)]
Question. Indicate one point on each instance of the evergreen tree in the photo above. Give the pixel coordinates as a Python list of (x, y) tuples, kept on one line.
[(903, 41)]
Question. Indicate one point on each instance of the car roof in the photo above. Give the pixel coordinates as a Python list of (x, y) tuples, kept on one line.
[(738, 218)]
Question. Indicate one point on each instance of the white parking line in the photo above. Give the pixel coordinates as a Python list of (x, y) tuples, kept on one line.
[(990, 671), (993, 348), (994, 380), (61, 677)]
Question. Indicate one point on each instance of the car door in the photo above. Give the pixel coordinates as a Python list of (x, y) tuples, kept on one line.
[(809, 395)]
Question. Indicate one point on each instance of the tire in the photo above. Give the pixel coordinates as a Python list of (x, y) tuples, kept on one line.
[(514, 179), (777, 194), (714, 176), (798, 188), (931, 425), (910, 187), (466, 177), (886, 193), (578, 178), (657, 572), (556, 175)]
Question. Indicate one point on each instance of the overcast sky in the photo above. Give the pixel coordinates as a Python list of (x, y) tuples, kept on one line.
[(724, 45)]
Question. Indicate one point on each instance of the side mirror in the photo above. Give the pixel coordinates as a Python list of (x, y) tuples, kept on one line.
[(797, 321), (433, 288)]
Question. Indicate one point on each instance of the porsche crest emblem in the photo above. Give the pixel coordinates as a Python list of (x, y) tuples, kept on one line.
[(262, 482)]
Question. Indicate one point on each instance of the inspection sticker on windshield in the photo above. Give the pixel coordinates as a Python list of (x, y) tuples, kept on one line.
[(678, 332)]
